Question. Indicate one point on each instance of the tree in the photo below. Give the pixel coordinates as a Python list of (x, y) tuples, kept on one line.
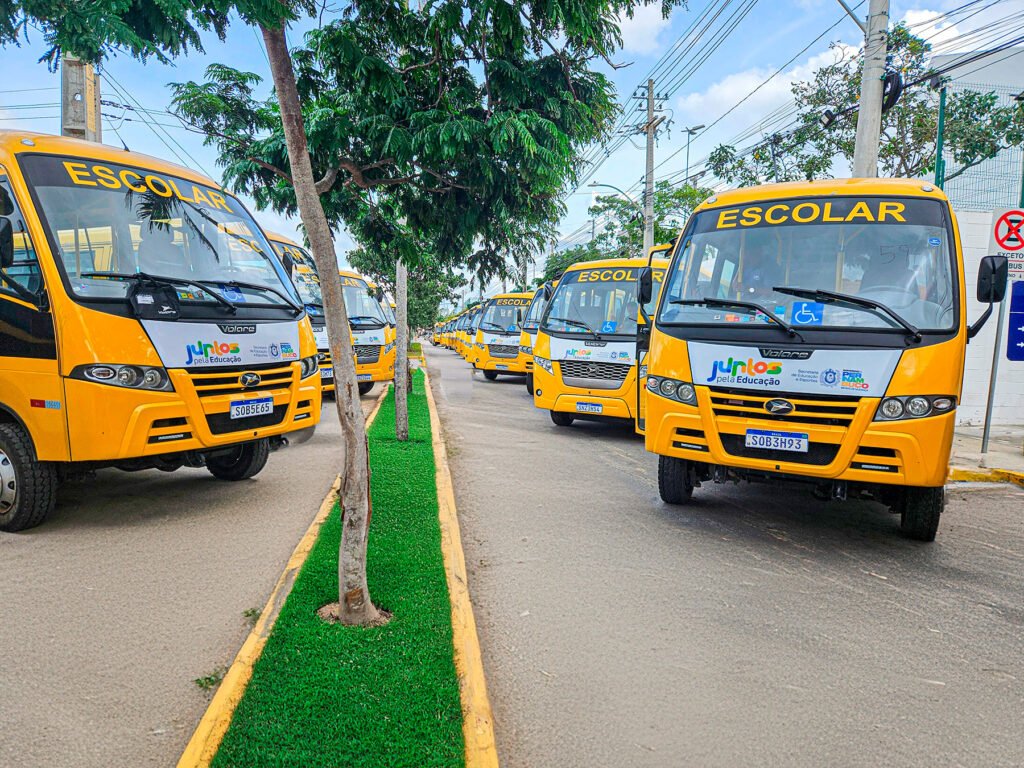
[(976, 128)]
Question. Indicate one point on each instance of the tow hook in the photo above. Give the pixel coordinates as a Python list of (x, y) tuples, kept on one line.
[(839, 490), (278, 441)]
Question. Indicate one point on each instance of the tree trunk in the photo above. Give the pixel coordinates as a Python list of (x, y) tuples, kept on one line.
[(402, 352), (355, 606)]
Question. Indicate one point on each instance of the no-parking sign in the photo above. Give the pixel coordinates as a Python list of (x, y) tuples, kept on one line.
[(1008, 238)]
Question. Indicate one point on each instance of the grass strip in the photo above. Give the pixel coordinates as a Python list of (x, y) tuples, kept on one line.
[(328, 695), (416, 348)]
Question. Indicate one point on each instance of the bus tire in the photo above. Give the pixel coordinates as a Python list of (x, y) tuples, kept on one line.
[(674, 480), (920, 512), (561, 419), (28, 488), (365, 387), (490, 375), (247, 460), (529, 384)]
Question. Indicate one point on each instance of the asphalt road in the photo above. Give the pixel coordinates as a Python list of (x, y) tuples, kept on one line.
[(757, 627), (135, 587)]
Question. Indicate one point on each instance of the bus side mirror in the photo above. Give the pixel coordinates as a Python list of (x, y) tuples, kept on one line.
[(992, 276), (993, 273), (645, 286), (380, 294), (547, 292), (6, 243), (289, 264)]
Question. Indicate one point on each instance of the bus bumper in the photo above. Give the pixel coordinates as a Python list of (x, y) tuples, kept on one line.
[(551, 394), (110, 423), (911, 452), (381, 369)]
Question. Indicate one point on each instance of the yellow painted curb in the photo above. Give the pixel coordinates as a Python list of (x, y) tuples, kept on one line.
[(477, 720), (206, 739), (981, 475)]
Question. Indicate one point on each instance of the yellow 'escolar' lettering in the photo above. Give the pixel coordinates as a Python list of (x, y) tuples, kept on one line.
[(91, 175), (811, 212)]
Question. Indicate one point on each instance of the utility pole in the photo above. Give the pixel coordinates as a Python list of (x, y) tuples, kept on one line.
[(869, 116), (79, 100), (651, 129)]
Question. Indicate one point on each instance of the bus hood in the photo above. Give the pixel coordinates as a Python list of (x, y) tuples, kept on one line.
[(588, 350), (208, 345)]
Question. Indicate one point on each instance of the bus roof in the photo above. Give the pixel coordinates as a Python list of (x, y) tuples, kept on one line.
[(279, 238), (520, 295), (638, 261), (25, 142), (821, 187)]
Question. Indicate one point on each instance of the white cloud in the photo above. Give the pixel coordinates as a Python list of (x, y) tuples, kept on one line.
[(641, 33), (932, 26)]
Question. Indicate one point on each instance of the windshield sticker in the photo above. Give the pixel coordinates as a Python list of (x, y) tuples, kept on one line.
[(87, 174), (839, 372), (808, 313), (609, 326), (232, 294), (201, 345), (934, 241)]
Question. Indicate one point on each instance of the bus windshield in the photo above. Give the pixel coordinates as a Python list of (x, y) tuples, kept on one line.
[(535, 312), (304, 274), (363, 309), (501, 318), (600, 300), (116, 220), (895, 252)]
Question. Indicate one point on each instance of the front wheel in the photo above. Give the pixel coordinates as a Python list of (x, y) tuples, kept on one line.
[(920, 512), (529, 384), (675, 480), (365, 387), (561, 419), (243, 462), (490, 375), (28, 488)]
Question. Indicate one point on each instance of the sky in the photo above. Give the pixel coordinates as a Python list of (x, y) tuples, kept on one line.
[(771, 35)]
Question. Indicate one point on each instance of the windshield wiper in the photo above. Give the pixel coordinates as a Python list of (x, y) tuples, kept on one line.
[(495, 325), (257, 287), (576, 324), (371, 318), (830, 297), (710, 301), (171, 281)]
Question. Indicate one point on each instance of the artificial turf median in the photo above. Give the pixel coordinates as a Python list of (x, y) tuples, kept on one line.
[(328, 695)]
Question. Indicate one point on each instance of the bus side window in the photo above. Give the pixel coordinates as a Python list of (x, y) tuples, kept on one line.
[(25, 270)]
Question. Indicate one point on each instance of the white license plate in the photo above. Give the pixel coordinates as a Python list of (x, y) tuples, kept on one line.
[(243, 409), (589, 408), (501, 367), (326, 373), (776, 441), (364, 376)]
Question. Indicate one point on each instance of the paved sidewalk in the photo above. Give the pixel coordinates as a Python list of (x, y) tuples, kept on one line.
[(1004, 460)]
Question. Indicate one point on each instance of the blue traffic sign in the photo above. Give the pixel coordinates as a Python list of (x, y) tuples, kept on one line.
[(1015, 333), (808, 313)]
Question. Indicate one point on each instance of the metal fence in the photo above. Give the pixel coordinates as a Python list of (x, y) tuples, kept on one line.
[(995, 183)]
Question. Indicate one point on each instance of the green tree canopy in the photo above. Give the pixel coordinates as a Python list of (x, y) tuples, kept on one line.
[(977, 127)]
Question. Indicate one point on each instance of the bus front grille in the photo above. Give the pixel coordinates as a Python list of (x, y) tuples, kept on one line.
[(222, 423), (366, 353), (228, 380), (586, 375), (503, 350), (824, 410)]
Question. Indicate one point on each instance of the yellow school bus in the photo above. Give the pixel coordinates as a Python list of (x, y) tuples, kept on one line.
[(373, 338), (497, 335), (463, 335), (816, 333), (531, 322), (144, 323), (585, 357)]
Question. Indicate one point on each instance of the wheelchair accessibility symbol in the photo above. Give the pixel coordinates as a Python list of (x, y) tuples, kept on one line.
[(808, 313)]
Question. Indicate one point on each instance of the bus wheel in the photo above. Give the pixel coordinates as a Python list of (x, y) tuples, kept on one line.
[(562, 419), (529, 384), (28, 488), (490, 375), (920, 511), (243, 462), (365, 387), (674, 480)]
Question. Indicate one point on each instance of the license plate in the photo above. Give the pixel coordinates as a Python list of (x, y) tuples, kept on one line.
[(364, 376), (776, 441), (501, 367), (589, 408), (243, 409), (326, 373)]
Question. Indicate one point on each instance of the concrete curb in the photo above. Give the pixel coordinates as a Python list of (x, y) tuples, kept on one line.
[(206, 739), (983, 475), (477, 719)]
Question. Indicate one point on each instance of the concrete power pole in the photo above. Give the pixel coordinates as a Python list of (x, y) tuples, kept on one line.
[(649, 174), (80, 100), (869, 117)]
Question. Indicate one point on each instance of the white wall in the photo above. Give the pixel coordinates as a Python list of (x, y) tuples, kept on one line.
[(1009, 400)]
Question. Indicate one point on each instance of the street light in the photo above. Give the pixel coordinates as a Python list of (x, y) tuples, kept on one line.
[(689, 133), (621, 192)]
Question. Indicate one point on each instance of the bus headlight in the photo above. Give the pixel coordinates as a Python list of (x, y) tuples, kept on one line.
[(127, 376), (914, 407), (682, 391), (544, 363), (308, 366)]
